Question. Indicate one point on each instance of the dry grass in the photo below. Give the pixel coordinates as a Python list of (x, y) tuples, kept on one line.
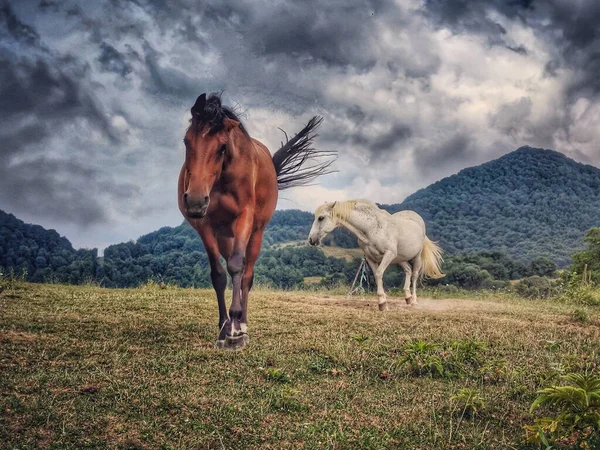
[(84, 367)]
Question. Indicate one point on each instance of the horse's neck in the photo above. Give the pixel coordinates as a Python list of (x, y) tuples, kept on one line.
[(361, 223)]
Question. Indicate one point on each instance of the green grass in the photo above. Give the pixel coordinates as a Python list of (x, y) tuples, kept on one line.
[(85, 367)]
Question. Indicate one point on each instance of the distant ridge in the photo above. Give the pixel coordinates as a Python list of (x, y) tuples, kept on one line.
[(529, 202), (42, 255)]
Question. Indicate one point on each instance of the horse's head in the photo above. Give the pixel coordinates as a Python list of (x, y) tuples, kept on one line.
[(324, 223), (209, 145)]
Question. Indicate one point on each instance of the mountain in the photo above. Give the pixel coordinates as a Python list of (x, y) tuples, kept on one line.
[(42, 255), (527, 203)]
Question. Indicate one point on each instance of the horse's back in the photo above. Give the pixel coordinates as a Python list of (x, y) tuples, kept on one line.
[(410, 215)]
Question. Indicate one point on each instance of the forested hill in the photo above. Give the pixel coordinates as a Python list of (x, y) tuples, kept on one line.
[(42, 255), (529, 202)]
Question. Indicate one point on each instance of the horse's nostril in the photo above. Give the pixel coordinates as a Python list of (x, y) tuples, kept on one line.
[(206, 199), (185, 195)]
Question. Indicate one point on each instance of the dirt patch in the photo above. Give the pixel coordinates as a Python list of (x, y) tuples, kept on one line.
[(425, 303), (15, 336)]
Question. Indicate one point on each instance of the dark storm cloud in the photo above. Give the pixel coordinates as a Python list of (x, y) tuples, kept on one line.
[(512, 117), (58, 189), (448, 153), (40, 94), (112, 60), (384, 142)]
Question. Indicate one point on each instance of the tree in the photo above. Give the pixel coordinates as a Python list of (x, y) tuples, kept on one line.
[(542, 266)]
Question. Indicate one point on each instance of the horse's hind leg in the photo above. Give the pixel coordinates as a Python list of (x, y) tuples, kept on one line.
[(407, 279), (417, 268)]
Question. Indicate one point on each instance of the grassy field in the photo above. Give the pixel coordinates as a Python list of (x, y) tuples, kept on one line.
[(85, 367)]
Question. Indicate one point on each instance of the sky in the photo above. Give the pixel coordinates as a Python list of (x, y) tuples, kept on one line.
[(95, 95)]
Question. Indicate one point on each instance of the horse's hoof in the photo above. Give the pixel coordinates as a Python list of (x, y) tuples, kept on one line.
[(383, 306), (234, 342), (408, 300)]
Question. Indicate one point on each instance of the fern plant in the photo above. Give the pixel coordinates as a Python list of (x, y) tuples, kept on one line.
[(422, 358), (468, 401), (578, 419)]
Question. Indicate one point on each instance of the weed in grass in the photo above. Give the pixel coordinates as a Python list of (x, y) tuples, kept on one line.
[(577, 423), (286, 400), (457, 359), (360, 338), (467, 403), (581, 316), (278, 375)]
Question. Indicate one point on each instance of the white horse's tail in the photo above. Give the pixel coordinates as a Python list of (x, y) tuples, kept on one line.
[(431, 255)]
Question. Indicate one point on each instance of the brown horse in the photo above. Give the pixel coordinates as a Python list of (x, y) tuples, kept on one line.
[(228, 192)]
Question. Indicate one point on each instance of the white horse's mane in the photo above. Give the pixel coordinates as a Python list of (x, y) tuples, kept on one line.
[(341, 210)]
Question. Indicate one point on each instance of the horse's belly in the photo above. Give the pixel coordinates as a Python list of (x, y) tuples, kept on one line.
[(373, 254)]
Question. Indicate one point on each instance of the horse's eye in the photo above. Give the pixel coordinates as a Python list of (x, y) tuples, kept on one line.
[(222, 149), (321, 218)]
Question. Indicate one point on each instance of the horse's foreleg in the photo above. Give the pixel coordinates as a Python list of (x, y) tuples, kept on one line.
[(417, 267), (232, 334), (252, 253), (217, 272), (383, 265), (407, 277)]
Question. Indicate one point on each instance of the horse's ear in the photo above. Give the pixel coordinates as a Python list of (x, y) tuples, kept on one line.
[(333, 204), (199, 105), (230, 124)]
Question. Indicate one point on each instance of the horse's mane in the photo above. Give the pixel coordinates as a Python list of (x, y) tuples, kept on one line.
[(213, 115), (341, 210)]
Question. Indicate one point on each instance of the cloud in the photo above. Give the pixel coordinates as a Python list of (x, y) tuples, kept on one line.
[(42, 96), (93, 110)]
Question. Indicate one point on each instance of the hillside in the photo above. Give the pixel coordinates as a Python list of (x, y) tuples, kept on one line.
[(42, 255), (529, 202), (175, 255)]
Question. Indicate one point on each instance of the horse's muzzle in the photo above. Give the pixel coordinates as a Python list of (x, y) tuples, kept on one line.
[(196, 213), (195, 209), (312, 241)]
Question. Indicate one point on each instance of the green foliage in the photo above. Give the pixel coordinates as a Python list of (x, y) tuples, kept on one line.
[(589, 259), (43, 255), (535, 287), (278, 375), (456, 359), (580, 315), (467, 402), (542, 266), (579, 290), (577, 422), (513, 203)]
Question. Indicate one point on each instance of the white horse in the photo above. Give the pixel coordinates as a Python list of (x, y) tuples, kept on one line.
[(385, 239)]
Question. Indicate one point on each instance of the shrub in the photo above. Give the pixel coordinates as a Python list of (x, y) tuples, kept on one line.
[(580, 289), (496, 285), (535, 287), (542, 266)]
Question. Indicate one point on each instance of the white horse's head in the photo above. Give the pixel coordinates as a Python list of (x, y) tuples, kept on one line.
[(325, 222)]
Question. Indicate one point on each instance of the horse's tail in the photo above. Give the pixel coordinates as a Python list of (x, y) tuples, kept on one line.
[(290, 159), (431, 255)]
